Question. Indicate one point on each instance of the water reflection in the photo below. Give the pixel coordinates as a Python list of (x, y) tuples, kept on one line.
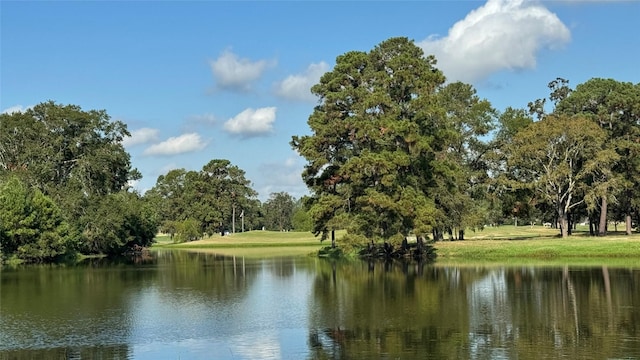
[(177, 304)]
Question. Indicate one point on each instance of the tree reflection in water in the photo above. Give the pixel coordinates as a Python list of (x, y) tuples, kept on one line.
[(400, 310)]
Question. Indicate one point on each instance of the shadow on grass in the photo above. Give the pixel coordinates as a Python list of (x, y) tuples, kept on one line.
[(537, 235)]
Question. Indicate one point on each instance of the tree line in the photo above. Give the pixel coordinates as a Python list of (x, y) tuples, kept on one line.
[(65, 189), (394, 150), (219, 199)]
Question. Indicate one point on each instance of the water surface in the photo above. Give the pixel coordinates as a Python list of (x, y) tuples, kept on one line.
[(189, 305)]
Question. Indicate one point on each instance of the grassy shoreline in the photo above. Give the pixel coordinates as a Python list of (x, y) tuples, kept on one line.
[(505, 244)]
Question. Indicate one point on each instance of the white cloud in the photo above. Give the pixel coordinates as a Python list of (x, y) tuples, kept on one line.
[(177, 145), (141, 136), (501, 34), (251, 123), (235, 73), (16, 109), (298, 87)]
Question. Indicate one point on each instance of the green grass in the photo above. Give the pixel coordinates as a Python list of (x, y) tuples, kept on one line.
[(504, 245), (253, 244), (524, 243)]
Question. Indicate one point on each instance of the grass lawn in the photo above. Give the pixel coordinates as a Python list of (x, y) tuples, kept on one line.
[(253, 244), (504, 244), (518, 245)]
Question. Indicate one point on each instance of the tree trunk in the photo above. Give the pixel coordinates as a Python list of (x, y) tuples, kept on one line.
[(569, 224), (564, 223), (602, 228), (333, 239), (460, 234), (233, 220)]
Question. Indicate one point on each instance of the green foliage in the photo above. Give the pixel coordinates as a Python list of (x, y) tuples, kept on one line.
[(31, 225), (214, 197), (188, 230), (393, 149), (351, 243), (62, 149), (76, 159), (331, 252), (278, 211), (301, 220), (117, 223), (556, 157), (615, 107)]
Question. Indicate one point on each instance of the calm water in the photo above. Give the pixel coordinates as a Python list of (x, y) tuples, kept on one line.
[(182, 305)]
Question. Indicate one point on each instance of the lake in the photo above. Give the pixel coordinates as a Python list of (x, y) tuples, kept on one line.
[(190, 305)]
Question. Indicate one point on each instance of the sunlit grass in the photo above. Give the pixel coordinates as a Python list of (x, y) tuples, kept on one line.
[(504, 245), (254, 244), (526, 242)]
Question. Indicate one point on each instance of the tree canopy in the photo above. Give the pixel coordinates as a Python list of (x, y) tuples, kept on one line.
[(59, 166), (558, 156), (210, 200), (61, 148), (386, 134)]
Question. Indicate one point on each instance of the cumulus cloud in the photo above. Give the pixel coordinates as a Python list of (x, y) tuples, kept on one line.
[(141, 136), (234, 73), (16, 109), (298, 87), (501, 34), (252, 123), (177, 145)]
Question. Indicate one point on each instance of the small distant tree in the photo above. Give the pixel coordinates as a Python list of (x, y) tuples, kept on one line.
[(301, 220), (278, 211), (188, 230), (214, 196)]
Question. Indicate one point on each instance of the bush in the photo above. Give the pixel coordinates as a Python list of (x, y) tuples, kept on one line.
[(188, 230), (33, 228)]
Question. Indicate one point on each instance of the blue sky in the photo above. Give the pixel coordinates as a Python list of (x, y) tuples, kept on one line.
[(202, 80)]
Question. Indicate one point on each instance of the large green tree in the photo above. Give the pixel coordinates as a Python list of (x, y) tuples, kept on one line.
[(504, 202), (380, 134), (558, 156), (62, 149), (461, 170)]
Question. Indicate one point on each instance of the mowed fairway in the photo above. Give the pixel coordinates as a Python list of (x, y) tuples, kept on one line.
[(254, 244)]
